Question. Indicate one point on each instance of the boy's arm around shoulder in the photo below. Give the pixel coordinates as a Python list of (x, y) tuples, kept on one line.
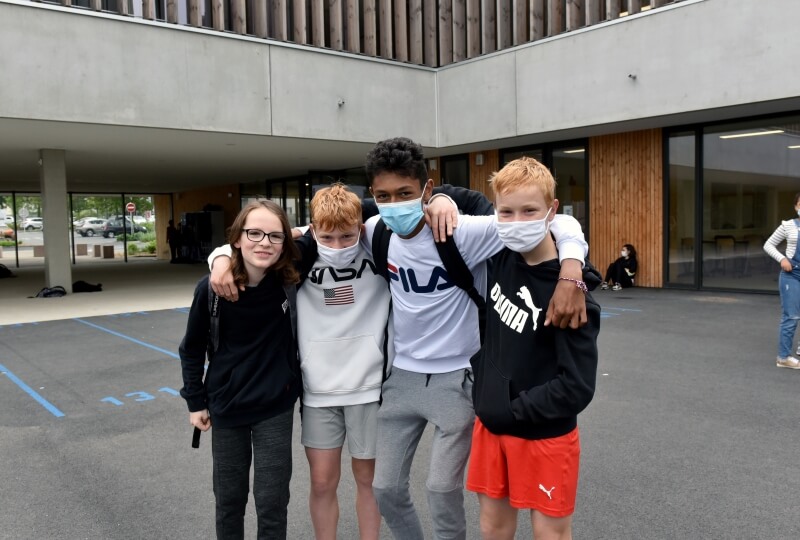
[(567, 307), (473, 203), (192, 349), (221, 278), (573, 387)]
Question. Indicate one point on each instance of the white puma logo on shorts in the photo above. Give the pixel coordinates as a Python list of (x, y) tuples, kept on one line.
[(547, 491)]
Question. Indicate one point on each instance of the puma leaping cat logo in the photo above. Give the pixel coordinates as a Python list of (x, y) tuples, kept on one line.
[(547, 491), (525, 294)]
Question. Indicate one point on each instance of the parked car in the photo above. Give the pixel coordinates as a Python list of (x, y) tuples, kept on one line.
[(90, 226), (114, 227), (33, 223), (7, 232), (9, 220)]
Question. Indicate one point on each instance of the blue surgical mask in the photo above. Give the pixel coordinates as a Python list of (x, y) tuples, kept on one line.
[(402, 217)]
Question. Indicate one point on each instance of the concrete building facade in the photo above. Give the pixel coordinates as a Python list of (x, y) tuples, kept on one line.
[(673, 126)]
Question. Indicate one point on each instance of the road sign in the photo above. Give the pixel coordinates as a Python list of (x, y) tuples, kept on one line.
[(23, 212), (130, 207)]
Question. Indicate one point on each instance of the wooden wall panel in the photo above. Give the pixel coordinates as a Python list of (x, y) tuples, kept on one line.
[(401, 30), (335, 25), (415, 31), (435, 174), (445, 32), (626, 201), (430, 33), (353, 43), (300, 21), (370, 28), (479, 174), (473, 28)]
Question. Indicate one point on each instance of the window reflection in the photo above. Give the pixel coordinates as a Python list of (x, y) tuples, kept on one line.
[(750, 177)]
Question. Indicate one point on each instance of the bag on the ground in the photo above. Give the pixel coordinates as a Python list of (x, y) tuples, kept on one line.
[(5, 272), (82, 286), (50, 292)]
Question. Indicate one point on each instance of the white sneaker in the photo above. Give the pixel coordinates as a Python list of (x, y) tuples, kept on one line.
[(616, 287), (604, 286), (788, 362)]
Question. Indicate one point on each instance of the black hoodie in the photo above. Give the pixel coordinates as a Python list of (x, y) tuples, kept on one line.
[(531, 381), (254, 374)]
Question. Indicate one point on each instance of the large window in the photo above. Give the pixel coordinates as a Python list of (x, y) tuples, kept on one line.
[(681, 209), (455, 170), (749, 176)]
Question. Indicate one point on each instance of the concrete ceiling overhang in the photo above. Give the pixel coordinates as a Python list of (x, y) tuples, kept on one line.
[(114, 159), (103, 158)]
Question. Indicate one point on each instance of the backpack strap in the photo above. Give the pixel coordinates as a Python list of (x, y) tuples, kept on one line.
[(213, 330), (380, 248), (458, 271), (291, 295)]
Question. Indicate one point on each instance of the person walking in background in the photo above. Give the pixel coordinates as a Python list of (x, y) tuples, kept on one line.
[(788, 285), (620, 273), (174, 241), (253, 377)]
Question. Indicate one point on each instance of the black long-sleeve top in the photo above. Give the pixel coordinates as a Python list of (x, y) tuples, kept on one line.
[(531, 381), (254, 373)]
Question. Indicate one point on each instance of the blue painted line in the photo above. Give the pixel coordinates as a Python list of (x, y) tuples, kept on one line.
[(31, 392), (182, 310), (129, 338), (622, 309), (17, 325)]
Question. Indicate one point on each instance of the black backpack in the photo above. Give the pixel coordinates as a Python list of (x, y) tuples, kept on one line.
[(50, 292), (457, 269), (5, 272)]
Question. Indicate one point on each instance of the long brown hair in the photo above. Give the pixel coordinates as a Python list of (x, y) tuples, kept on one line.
[(284, 266)]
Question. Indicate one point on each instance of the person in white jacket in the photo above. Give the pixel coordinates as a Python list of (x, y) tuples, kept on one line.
[(788, 284)]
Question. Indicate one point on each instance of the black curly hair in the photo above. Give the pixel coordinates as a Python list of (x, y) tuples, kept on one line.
[(399, 155)]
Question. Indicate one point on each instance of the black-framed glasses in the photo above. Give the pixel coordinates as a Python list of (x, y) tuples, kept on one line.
[(257, 235)]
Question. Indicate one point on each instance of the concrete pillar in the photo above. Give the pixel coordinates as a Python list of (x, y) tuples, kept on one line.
[(55, 207)]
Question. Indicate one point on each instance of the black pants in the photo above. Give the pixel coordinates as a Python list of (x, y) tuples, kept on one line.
[(268, 445), (616, 274)]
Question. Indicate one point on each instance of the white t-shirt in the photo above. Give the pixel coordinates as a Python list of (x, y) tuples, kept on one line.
[(435, 322)]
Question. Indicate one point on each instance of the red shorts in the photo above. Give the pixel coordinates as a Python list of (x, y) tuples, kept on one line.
[(537, 474)]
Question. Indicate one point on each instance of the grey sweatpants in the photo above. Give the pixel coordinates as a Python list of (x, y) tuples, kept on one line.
[(410, 401)]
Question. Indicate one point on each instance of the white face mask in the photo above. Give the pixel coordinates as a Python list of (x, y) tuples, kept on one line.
[(338, 258), (523, 236)]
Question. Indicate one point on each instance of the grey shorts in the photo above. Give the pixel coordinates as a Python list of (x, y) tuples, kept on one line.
[(325, 428)]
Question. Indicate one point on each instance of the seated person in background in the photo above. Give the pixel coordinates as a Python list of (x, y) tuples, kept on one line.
[(620, 273)]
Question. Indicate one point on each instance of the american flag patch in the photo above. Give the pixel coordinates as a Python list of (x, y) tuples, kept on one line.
[(339, 296)]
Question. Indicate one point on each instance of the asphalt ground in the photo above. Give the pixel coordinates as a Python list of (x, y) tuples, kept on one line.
[(692, 432)]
